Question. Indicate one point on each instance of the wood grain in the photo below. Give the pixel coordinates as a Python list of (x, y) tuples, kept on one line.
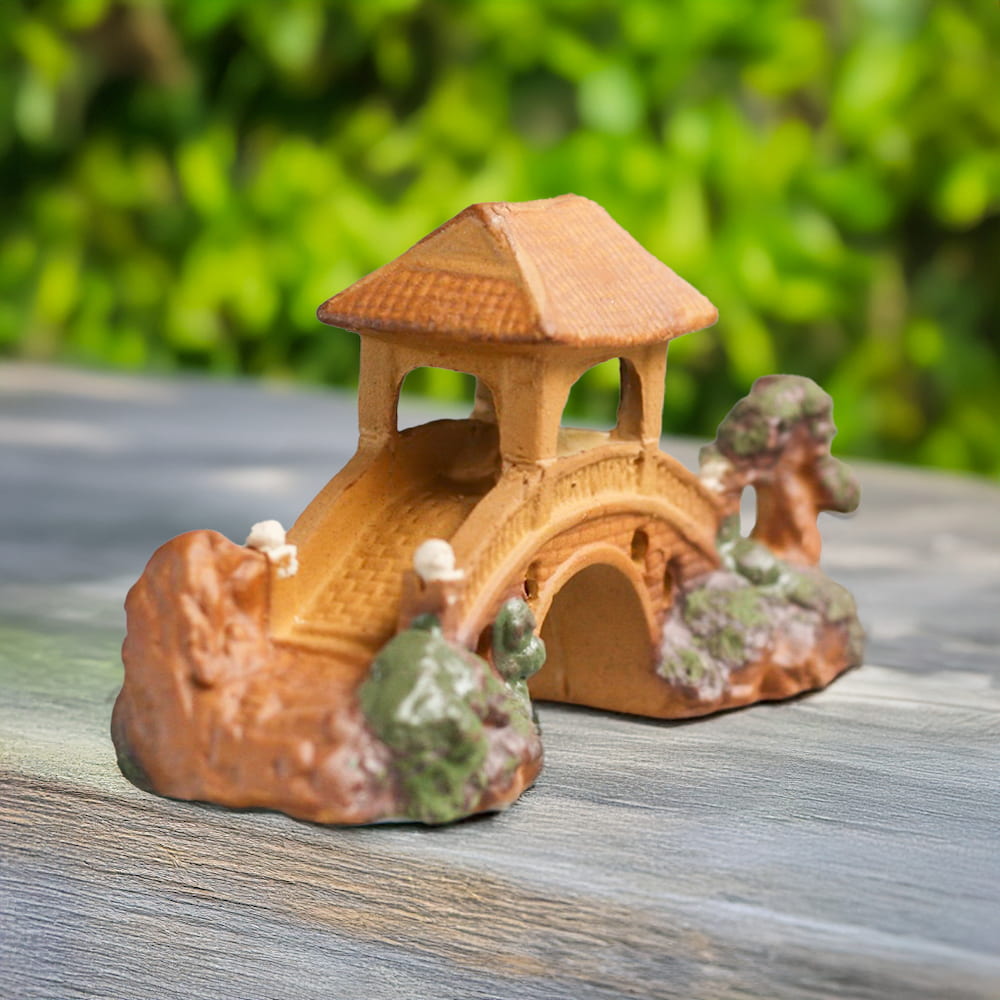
[(843, 844)]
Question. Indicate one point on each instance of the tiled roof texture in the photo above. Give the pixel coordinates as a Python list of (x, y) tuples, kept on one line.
[(558, 271)]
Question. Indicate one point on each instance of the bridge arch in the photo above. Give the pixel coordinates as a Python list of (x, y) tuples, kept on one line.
[(647, 507), (597, 554), (617, 504), (597, 619)]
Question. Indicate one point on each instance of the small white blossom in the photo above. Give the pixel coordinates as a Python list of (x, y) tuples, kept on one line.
[(435, 560), (269, 537)]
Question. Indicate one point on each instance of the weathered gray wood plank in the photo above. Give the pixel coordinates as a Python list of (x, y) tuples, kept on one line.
[(844, 844)]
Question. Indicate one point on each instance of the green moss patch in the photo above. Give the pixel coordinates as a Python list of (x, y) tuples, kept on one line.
[(727, 619), (433, 703)]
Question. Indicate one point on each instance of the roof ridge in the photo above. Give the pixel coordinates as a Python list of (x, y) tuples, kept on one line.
[(496, 216)]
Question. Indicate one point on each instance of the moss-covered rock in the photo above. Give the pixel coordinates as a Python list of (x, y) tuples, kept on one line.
[(791, 397), (724, 599), (762, 420), (778, 581), (688, 667), (809, 588), (730, 618), (777, 441), (434, 704), (755, 563), (840, 484), (727, 644), (745, 433)]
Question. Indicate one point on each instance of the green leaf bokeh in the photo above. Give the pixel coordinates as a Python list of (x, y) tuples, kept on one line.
[(184, 182)]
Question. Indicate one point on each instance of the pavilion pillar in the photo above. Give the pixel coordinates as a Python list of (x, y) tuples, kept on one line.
[(531, 392), (381, 374), (640, 408)]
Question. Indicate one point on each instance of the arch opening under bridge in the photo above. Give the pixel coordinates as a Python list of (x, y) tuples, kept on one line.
[(598, 620)]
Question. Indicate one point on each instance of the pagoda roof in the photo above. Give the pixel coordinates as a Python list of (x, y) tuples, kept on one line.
[(556, 271)]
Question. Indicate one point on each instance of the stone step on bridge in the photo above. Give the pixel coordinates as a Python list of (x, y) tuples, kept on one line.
[(356, 611)]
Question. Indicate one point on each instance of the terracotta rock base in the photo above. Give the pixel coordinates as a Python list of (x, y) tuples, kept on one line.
[(759, 629), (212, 709), (767, 678), (770, 678)]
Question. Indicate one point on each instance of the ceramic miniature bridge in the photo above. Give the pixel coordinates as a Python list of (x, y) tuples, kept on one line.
[(528, 530)]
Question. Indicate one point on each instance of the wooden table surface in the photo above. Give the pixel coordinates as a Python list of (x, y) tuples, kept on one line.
[(843, 844)]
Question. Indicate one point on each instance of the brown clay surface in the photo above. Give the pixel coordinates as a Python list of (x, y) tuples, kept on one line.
[(213, 710), (354, 606), (350, 583)]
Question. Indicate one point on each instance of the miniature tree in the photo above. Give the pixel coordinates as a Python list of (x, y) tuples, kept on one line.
[(517, 652), (777, 440)]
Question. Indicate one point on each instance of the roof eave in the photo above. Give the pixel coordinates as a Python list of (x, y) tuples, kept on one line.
[(537, 336)]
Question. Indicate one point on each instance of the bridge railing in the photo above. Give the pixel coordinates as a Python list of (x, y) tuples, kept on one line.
[(509, 518)]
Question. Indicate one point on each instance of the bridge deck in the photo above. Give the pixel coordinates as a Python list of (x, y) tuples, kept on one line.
[(368, 576)]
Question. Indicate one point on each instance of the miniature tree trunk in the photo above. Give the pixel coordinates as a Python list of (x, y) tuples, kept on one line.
[(777, 440), (788, 504)]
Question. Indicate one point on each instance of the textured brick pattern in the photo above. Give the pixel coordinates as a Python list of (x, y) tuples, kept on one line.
[(360, 604), (610, 479), (422, 300), (664, 559), (560, 270)]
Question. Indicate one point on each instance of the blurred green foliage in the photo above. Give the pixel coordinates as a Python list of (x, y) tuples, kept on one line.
[(184, 182)]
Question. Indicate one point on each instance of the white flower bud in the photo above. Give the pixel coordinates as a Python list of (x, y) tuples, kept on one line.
[(269, 537), (266, 535), (435, 560), (714, 472)]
